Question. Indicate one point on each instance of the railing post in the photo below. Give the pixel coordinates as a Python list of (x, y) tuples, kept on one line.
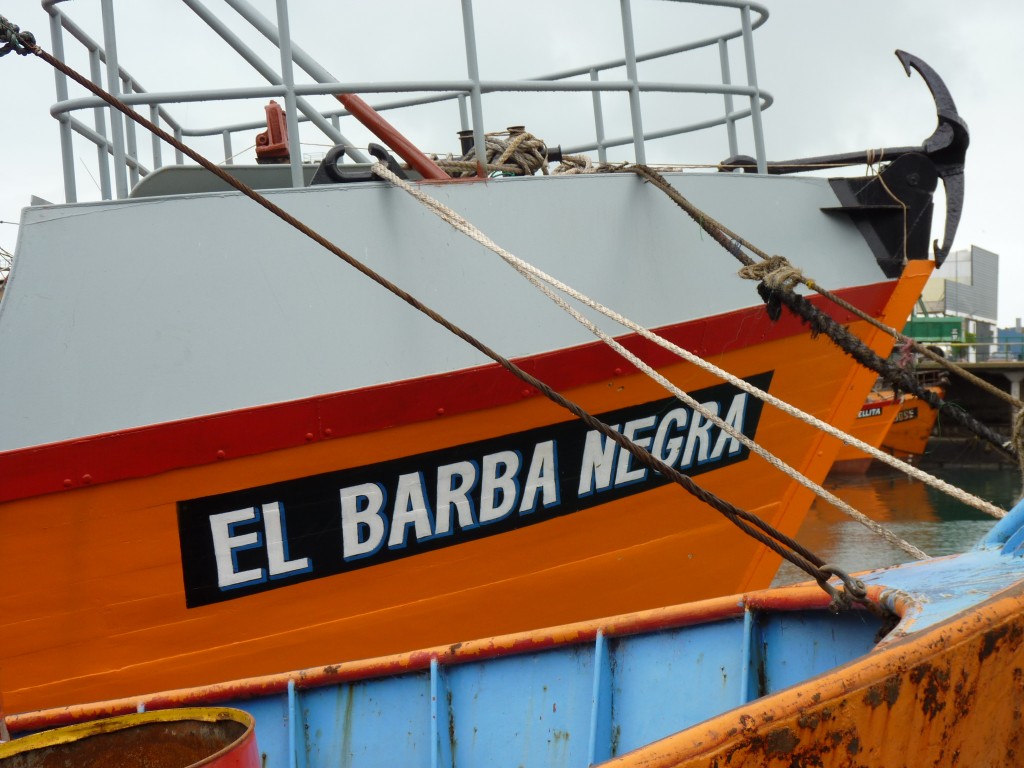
[(100, 121), (755, 98), (631, 74), (179, 156), (475, 97), (730, 121), (228, 154), (114, 87), (67, 150), (154, 117), (602, 153), (288, 76), (133, 150)]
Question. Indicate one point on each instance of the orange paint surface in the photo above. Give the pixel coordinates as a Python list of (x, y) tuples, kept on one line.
[(93, 604), (908, 436), (872, 424), (951, 696)]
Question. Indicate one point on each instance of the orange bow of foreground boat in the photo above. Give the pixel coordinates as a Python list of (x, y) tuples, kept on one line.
[(225, 453)]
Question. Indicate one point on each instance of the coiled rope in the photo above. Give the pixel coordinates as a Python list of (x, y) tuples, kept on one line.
[(515, 152)]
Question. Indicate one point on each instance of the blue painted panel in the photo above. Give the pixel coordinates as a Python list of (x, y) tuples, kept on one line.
[(271, 715), (372, 724), (798, 646), (526, 710), (667, 681)]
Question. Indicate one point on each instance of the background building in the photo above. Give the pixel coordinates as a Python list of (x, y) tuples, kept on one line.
[(960, 306)]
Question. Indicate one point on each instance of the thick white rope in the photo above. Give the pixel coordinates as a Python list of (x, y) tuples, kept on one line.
[(455, 220), (535, 275)]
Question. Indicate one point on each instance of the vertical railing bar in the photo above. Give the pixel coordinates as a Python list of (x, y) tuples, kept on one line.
[(747, 655), (755, 98), (132, 150), (475, 96), (228, 154), (100, 121), (179, 156), (284, 35), (67, 150), (154, 117), (599, 739), (435, 716), (631, 75), (730, 124), (300, 57), (602, 152), (292, 724), (332, 131), (114, 87)]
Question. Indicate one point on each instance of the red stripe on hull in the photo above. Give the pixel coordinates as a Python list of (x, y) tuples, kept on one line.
[(150, 450)]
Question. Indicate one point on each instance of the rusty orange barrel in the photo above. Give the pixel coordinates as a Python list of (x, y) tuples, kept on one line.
[(173, 738)]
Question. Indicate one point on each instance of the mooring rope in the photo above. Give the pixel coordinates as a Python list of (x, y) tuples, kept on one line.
[(749, 523), (817, 320), (538, 278), (908, 341), (468, 229)]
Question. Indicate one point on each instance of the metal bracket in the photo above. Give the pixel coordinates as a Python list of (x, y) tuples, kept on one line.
[(331, 171)]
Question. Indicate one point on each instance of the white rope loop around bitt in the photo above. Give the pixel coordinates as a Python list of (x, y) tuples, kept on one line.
[(535, 275)]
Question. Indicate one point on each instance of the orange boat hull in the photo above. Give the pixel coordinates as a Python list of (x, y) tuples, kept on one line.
[(873, 422), (101, 600), (912, 427)]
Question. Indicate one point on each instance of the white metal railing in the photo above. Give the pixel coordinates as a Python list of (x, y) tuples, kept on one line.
[(118, 152)]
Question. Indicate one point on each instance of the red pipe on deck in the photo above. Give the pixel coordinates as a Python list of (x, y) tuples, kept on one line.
[(387, 133)]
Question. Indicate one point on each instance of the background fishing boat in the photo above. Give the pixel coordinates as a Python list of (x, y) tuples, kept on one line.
[(226, 455), (908, 436), (874, 421)]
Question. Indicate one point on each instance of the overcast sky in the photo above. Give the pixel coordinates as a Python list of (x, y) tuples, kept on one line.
[(829, 65)]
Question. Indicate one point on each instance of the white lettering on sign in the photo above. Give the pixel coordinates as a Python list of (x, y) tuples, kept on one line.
[(227, 544), (238, 543), (367, 519), (362, 520)]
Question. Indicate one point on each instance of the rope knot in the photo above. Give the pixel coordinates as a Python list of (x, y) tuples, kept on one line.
[(775, 272), (21, 43), (515, 152)]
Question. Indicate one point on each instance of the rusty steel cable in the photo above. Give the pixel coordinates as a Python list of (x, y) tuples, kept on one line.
[(749, 523), (818, 321)]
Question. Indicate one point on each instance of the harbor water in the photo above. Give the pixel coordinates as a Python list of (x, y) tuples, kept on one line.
[(928, 518)]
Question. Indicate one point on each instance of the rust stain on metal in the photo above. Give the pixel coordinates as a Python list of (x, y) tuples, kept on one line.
[(990, 641), (887, 692), (781, 741), (934, 688)]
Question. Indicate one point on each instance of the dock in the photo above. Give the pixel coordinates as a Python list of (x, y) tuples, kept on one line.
[(953, 445)]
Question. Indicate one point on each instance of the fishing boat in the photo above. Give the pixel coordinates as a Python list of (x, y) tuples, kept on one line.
[(225, 453), (899, 423), (918, 672), (874, 421), (908, 436)]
